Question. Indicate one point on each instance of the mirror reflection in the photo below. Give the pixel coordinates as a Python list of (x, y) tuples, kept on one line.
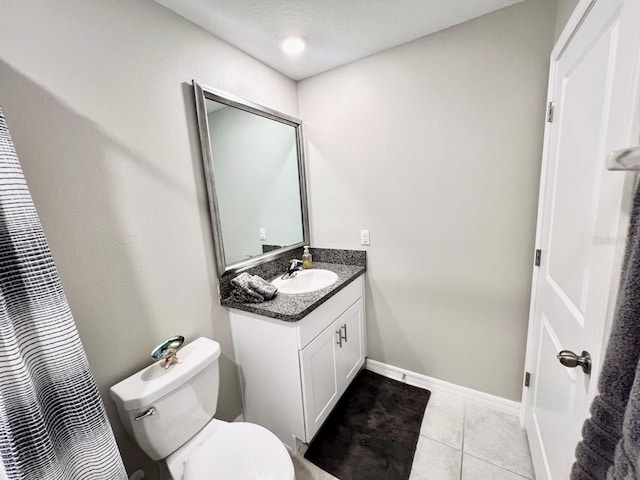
[(254, 169)]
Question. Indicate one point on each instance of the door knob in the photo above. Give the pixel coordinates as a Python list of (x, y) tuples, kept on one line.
[(571, 360)]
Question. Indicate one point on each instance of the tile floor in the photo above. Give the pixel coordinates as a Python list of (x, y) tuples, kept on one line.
[(459, 440)]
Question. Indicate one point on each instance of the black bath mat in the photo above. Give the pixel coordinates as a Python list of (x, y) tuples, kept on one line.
[(373, 431)]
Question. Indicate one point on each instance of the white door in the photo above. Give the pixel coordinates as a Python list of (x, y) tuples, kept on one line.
[(593, 85), (351, 352), (320, 381)]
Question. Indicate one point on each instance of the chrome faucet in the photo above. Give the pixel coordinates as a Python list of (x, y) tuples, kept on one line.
[(293, 269)]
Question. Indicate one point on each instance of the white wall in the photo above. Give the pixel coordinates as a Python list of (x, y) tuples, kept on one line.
[(435, 146), (98, 100), (564, 11), (256, 169)]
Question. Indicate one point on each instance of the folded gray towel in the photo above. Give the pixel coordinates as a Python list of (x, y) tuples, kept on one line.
[(252, 289), (264, 288), (610, 448)]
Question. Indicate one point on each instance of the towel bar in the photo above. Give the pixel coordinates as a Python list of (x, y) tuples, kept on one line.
[(624, 159)]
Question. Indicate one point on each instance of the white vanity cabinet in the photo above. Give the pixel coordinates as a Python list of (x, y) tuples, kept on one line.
[(329, 363), (292, 374)]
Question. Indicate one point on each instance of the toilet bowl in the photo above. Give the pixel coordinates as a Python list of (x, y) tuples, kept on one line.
[(235, 450), (169, 413)]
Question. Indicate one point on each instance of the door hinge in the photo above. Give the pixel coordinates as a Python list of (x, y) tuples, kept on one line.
[(527, 379), (550, 110), (536, 262)]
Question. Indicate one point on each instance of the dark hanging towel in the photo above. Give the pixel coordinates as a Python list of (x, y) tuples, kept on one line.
[(610, 448), (53, 424)]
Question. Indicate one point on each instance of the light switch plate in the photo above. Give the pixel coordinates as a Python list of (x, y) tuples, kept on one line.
[(364, 237), (263, 233)]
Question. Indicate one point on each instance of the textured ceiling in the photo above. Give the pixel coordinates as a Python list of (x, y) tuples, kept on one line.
[(338, 31)]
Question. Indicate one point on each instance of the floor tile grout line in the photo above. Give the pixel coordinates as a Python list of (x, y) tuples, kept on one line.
[(499, 466), (440, 442), (467, 402), (464, 427), (422, 432)]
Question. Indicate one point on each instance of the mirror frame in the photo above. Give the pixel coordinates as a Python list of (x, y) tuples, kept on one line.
[(203, 93)]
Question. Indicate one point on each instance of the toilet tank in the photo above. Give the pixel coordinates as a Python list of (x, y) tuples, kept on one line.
[(183, 399)]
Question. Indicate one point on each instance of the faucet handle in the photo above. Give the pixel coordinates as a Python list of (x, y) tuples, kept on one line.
[(293, 269)]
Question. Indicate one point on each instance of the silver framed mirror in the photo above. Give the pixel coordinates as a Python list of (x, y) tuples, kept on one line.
[(255, 175)]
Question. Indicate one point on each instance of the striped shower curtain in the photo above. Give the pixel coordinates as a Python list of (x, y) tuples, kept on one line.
[(52, 421)]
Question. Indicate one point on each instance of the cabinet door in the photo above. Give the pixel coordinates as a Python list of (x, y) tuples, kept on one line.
[(320, 381), (351, 352)]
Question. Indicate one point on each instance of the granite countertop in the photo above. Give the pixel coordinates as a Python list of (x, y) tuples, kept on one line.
[(292, 308)]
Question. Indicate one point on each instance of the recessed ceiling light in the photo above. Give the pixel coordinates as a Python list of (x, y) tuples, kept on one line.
[(293, 44)]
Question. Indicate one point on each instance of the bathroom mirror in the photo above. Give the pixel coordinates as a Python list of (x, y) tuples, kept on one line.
[(254, 169)]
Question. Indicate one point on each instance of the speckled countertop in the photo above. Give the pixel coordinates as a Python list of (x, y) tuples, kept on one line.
[(292, 308)]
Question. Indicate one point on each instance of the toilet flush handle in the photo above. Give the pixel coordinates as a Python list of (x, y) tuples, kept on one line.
[(148, 413)]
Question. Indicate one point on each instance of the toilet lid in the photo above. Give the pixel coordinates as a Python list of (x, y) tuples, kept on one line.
[(240, 451)]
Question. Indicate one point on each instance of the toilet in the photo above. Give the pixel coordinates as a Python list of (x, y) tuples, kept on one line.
[(169, 413)]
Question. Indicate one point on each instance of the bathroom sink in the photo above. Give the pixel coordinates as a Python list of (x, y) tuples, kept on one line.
[(306, 281)]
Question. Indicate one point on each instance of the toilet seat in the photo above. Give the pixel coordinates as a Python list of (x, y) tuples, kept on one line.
[(242, 451)]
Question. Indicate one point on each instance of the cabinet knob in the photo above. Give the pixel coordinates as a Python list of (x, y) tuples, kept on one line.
[(339, 342)]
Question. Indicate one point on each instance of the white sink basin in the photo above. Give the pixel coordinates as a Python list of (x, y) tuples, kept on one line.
[(306, 281)]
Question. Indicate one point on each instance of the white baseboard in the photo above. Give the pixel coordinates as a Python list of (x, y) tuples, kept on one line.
[(435, 385)]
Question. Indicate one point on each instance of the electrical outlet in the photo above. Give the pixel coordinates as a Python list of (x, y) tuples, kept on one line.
[(364, 237), (263, 233)]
